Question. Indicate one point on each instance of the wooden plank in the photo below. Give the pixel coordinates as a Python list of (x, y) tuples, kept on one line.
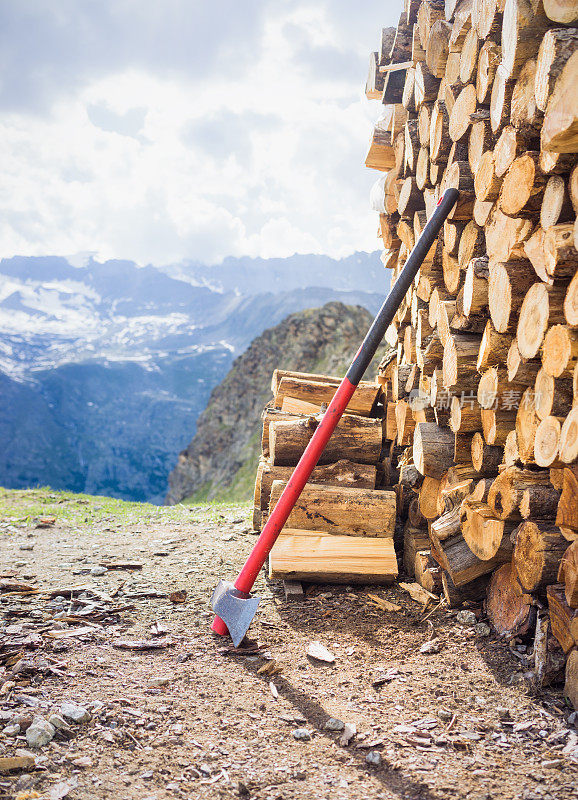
[(333, 559)]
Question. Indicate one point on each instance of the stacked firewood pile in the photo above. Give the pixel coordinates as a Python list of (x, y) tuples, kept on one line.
[(481, 402), (342, 527)]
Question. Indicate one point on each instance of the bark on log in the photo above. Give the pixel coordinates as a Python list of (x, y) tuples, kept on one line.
[(496, 425), (501, 99), (571, 302), (563, 619), (551, 397), (524, 113), (494, 346), (508, 489), (317, 393), (567, 512), (455, 597), (440, 142)]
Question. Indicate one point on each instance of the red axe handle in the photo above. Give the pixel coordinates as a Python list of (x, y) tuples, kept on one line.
[(347, 387)]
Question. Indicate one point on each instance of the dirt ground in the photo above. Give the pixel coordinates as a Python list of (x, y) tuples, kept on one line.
[(193, 719)]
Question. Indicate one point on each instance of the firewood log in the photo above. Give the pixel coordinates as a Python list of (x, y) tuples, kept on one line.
[(507, 493), (560, 128), (506, 235), (427, 572), (463, 448), (524, 113), (489, 58), (551, 397), (510, 610), (465, 417), (440, 142), (473, 591), (496, 424), (567, 513), (511, 456), (494, 346), (486, 183), (485, 458), (481, 140), (571, 676), (437, 49), (563, 11), (341, 473), (501, 99), (411, 145), (317, 393), (527, 422), (556, 205), (340, 509), (563, 619), (568, 575), (355, 438), (486, 536), (427, 14), (569, 438), (414, 541), (571, 302), (560, 351), (433, 450), (464, 105), (428, 494), (459, 359), (523, 187), (542, 306), (523, 27)]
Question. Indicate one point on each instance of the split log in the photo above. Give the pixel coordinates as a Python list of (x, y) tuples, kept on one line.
[(355, 438), (527, 422), (464, 105), (487, 184), (414, 541), (560, 129), (480, 141), (542, 306), (485, 458), (501, 99), (560, 254), (465, 416), (538, 551), (567, 512), (304, 556), (433, 450), (437, 49), (319, 393), (556, 205), (426, 86), (552, 398), (489, 58), (556, 48), (547, 442), (568, 575), (487, 537), (459, 360), (440, 142), (510, 610), (505, 236), (560, 351), (524, 24), (522, 187), (524, 113), (340, 509), (342, 473), (509, 488), (563, 11), (494, 346), (428, 495), (563, 619), (571, 302), (496, 424), (473, 591), (569, 438), (469, 57), (427, 572)]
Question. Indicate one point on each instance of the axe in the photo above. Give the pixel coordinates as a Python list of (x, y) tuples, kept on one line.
[(232, 603)]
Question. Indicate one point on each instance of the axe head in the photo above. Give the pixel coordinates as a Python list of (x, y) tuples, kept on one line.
[(235, 608)]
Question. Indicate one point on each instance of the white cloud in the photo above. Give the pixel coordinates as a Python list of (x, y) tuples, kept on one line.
[(157, 165)]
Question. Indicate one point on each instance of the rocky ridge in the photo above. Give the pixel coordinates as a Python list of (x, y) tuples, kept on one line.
[(221, 460)]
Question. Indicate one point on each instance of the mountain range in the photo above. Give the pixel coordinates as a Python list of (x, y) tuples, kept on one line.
[(105, 367)]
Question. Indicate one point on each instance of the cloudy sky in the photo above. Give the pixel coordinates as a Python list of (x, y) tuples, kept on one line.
[(158, 130)]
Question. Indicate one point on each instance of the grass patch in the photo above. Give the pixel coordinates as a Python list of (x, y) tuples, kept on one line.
[(28, 506)]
